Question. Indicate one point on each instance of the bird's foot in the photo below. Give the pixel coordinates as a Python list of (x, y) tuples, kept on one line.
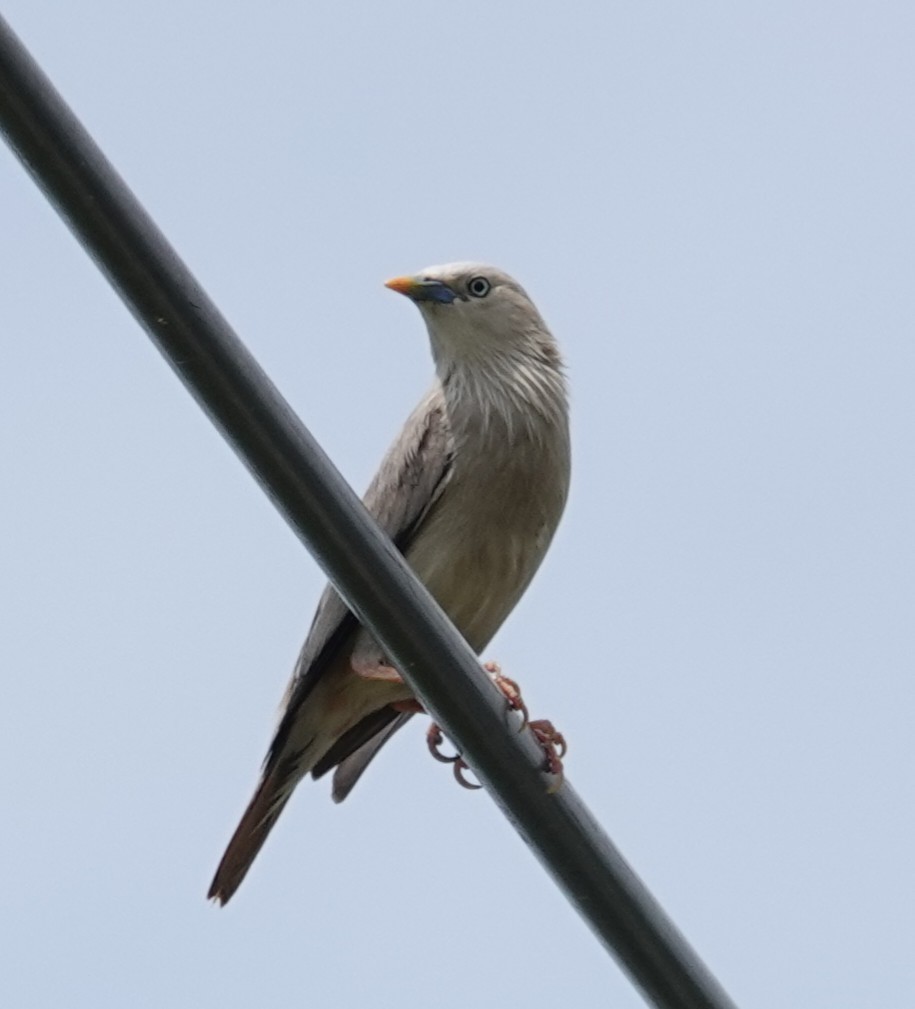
[(551, 741), (554, 747), (510, 691), (434, 739)]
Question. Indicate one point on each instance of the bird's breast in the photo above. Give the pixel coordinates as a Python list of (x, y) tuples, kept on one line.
[(485, 537)]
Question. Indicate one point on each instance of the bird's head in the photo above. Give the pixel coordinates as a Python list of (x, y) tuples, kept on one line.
[(475, 314)]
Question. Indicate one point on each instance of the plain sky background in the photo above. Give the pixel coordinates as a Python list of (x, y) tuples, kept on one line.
[(712, 204)]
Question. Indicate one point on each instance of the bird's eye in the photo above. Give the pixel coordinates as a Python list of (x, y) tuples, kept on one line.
[(479, 287)]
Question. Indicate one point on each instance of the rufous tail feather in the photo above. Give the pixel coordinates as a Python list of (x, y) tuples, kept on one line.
[(262, 813)]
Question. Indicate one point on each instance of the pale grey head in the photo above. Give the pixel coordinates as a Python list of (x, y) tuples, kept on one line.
[(486, 334)]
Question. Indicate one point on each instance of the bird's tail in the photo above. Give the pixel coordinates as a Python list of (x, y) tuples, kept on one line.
[(308, 729), (263, 811)]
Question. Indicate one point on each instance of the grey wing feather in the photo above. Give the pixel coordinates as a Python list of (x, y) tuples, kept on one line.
[(412, 476)]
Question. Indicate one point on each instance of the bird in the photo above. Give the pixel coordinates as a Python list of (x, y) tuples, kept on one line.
[(471, 493)]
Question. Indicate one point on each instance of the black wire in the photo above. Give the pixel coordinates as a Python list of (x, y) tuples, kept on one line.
[(298, 477)]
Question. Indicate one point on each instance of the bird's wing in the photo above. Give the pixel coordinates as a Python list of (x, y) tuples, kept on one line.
[(411, 478)]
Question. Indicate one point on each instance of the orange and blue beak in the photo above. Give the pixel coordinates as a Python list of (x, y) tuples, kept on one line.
[(422, 289)]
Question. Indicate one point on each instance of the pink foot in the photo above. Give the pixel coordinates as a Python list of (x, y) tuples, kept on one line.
[(434, 739), (554, 747), (551, 741), (510, 690)]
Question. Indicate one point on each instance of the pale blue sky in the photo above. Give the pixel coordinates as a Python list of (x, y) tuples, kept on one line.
[(713, 207)]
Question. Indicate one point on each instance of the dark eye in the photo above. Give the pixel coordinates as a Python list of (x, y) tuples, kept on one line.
[(479, 287)]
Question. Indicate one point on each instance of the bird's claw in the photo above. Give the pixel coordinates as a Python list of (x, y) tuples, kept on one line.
[(554, 747), (551, 741), (434, 739), (510, 691), (459, 767)]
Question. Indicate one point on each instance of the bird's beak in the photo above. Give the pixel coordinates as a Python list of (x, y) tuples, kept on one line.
[(419, 289)]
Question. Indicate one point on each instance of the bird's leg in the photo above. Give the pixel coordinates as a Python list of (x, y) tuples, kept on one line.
[(383, 673), (435, 739), (380, 671), (550, 739), (410, 707), (510, 690), (554, 747)]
